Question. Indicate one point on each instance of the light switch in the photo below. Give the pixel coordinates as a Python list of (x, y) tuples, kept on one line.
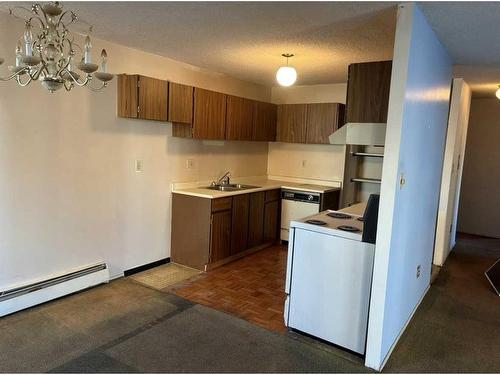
[(138, 165)]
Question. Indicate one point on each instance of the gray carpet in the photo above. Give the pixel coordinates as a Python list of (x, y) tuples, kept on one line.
[(126, 327)]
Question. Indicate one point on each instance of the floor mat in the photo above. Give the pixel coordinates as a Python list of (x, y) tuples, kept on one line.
[(166, 276)]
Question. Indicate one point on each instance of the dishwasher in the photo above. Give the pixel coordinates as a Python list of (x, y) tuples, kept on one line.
[(296, 204)]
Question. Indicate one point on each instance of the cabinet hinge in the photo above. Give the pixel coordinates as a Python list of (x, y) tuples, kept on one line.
[(138, 110), (138, 83)]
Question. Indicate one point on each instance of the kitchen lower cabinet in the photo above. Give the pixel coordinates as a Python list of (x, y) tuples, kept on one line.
[(220, 234), (239, 236), (256, 219), (271, 220), (207, 233)]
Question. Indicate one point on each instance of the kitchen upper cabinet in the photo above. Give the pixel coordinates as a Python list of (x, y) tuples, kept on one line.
[(239, 222), (220, 244), (322, 120), (127, 95), (239, 118), (256, 215), (153, 99), (291, 126), (180, 103), (264, 122), (368, 86), (142, 97), (209, 114)]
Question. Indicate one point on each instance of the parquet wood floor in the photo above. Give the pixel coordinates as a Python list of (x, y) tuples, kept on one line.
[(251, 288)]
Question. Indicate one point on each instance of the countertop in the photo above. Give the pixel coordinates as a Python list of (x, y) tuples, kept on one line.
[(198, 189)]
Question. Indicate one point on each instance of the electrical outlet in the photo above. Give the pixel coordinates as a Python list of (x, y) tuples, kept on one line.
[(189, 163), (418, 271), (138, 165)]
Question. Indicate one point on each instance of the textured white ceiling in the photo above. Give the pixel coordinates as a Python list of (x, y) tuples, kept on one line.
[(246, 39), (469, 31)]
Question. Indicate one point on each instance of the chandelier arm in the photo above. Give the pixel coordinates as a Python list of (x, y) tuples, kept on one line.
[(96, 89), (42, 24), (35, 76), (18, 80), (13, 75), (65, 68), (81, 84), (68, 86)]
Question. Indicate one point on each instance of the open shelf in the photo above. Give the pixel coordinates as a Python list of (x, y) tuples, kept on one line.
[(369, 154), (367, 180)]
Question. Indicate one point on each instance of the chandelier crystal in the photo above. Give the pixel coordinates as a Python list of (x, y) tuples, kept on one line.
[(48, 53)]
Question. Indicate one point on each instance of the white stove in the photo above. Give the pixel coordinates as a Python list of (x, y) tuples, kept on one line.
[(329, 276), (336, 223)]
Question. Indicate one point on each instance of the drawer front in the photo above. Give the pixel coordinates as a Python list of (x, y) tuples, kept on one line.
[(273, 195), (222, 204)]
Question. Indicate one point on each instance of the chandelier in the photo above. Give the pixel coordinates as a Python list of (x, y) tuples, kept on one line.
[(49, 55)]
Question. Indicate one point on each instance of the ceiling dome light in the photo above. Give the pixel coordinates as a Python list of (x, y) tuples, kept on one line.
[(286, 75), (497, 93)]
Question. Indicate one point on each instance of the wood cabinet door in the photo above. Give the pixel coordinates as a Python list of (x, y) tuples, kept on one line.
[(292, 123), (127, 95), (239, 118), (153, 99), (368, 86), (180, 103), (256, 219), (271, 220), (264, 122), (239, 223), (220, 239), (322, 120), (209, 114)]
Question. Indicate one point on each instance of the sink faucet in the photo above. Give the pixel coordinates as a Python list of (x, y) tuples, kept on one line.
[(224, 180)]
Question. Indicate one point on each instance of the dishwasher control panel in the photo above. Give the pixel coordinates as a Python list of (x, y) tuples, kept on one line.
[(300, 196)]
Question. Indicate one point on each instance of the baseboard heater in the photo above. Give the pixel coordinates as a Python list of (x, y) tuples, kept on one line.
[(28, 295)]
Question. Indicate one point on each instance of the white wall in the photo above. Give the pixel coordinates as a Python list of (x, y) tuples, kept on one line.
[(452, 170), (414, 147), (322, 162), (69, 192), (479, 211)]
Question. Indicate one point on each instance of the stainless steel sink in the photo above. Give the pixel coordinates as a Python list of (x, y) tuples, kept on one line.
[(231, 187)]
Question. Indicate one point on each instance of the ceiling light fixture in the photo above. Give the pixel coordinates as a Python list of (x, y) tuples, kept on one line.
[(49, 55), (286, 75), (497, 93)]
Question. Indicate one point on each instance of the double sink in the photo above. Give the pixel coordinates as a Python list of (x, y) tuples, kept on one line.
[(231, 187)]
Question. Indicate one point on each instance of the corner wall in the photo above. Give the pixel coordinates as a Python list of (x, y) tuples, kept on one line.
[(414, 149), (69, 193)]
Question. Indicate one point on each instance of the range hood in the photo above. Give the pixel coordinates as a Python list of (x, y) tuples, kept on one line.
[(359, 133)]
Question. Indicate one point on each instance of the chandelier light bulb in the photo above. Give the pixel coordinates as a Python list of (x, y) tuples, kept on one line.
[(286, 75), (104, 62), (28, 39), (88, 51), (497, 93), (19, 53)]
